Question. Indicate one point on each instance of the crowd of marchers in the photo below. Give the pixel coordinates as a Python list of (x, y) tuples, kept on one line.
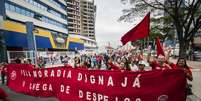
[(116, 61), (128, 61)]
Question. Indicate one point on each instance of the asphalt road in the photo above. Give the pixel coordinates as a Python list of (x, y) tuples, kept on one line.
[(21, 97)]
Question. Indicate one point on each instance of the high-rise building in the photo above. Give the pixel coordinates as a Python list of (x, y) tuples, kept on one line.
[(88, 15), (81, 21), (74, 16)]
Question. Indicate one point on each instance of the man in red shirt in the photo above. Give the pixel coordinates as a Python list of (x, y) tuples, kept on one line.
[(3, 95), (159, 63)]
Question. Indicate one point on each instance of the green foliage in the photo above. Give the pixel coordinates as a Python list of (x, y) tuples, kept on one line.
[(181, 18)]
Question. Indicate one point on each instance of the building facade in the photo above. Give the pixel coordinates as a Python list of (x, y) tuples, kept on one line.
[(29, 25), (81, 21), (89, 44), (74, 16), (88, 15)]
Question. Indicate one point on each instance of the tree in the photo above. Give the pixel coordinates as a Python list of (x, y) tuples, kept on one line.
[(185, 16)]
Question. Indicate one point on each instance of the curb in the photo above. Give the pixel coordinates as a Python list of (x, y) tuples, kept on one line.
[(195, 70)]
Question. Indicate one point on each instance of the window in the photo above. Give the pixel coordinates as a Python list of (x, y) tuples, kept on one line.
[(27, 13), (23, 11), (32, 15), (60, 5), (17, 9), (7, 6), (31, 1), (12, 8), (36, 4)]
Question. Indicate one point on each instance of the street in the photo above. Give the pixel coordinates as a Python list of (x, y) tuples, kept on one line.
[(21, 97)]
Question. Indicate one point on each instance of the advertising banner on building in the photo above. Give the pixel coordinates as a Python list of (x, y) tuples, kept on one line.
[(70, 84)]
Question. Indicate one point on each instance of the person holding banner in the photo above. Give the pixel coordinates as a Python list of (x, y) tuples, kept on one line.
[(160, 63), (3, 95), (181, 64), (111, 65), (126, 65), (141, 65), (133, 64)]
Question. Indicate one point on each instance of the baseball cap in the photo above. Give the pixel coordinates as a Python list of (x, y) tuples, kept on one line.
[(143, 63)]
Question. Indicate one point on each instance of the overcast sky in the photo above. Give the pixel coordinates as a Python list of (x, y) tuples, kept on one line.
[(108, 29)]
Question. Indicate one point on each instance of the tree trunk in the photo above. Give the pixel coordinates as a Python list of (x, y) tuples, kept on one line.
[(183, 47)]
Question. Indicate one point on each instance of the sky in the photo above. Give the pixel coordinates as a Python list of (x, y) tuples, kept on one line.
[(108, 28)]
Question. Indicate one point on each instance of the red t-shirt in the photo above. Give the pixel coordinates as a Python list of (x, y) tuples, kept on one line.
[(3, 94), (155, 65), (113, 66), (188, 70)]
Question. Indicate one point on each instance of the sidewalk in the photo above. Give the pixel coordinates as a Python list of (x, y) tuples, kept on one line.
[(193, 98)]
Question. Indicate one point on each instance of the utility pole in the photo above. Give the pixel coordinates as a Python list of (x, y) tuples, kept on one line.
[(3, 53)]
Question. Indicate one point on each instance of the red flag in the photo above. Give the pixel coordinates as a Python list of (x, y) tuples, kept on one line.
[(138, 32), (159, 47)]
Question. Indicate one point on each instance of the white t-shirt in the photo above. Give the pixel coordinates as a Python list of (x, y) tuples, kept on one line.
[(134, 68)]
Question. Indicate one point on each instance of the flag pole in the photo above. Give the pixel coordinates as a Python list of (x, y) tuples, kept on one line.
[(147, 42)]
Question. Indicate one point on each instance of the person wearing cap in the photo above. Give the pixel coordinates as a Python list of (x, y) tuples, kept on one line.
[(141, 65), (134, 66)]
